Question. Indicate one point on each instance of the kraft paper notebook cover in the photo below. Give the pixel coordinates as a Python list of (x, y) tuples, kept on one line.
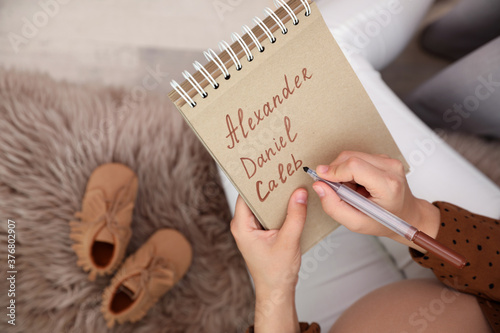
[(297, 103)]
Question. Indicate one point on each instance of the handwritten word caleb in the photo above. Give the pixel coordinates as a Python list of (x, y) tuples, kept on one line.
[(273, 184), (260, 115)]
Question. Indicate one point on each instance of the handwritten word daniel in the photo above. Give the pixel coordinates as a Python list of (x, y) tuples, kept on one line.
[(248, 123)]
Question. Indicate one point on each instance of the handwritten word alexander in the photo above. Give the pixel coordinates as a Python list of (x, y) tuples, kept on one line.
[(250, 123)]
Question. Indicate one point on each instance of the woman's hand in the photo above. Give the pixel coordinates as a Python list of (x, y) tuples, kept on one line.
[(382, 180), (272, 256), (273, 259)]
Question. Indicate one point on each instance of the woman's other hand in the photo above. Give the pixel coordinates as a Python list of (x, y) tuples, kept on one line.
[(273, 259)]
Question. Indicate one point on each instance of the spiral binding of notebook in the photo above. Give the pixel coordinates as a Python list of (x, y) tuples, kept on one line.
[(235, 54)]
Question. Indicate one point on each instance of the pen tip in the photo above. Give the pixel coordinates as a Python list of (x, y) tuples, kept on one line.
[(305, 169)]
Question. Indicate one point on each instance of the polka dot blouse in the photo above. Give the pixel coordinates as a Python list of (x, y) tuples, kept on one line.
[(478, 239)]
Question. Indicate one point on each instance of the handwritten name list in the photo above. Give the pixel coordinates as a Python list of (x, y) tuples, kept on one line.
[(248, 122)]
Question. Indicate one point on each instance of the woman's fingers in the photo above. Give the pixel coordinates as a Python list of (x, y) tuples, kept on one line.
[(336, 208), (383, 162), (382, 180), (291, 230), (357, 170), (245, 221)]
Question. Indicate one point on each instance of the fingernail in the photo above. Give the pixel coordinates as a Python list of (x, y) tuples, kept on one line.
[(301, 197), (319, 190), (322, 168)]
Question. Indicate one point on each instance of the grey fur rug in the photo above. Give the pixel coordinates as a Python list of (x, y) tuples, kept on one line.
[(52, 135)]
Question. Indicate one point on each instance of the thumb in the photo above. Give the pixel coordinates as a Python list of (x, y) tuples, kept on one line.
[(292, 228)]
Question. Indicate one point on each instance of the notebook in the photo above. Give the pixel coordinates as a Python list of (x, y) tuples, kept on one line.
[(280, 97)]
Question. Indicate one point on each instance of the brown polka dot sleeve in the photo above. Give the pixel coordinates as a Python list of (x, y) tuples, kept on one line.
[(478, 239), (304, 328)]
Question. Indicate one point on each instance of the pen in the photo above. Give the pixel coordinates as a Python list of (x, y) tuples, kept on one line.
[(391, 221)]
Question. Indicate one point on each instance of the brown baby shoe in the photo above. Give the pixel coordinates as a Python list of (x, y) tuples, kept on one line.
[(103, 231), (146, 276)]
